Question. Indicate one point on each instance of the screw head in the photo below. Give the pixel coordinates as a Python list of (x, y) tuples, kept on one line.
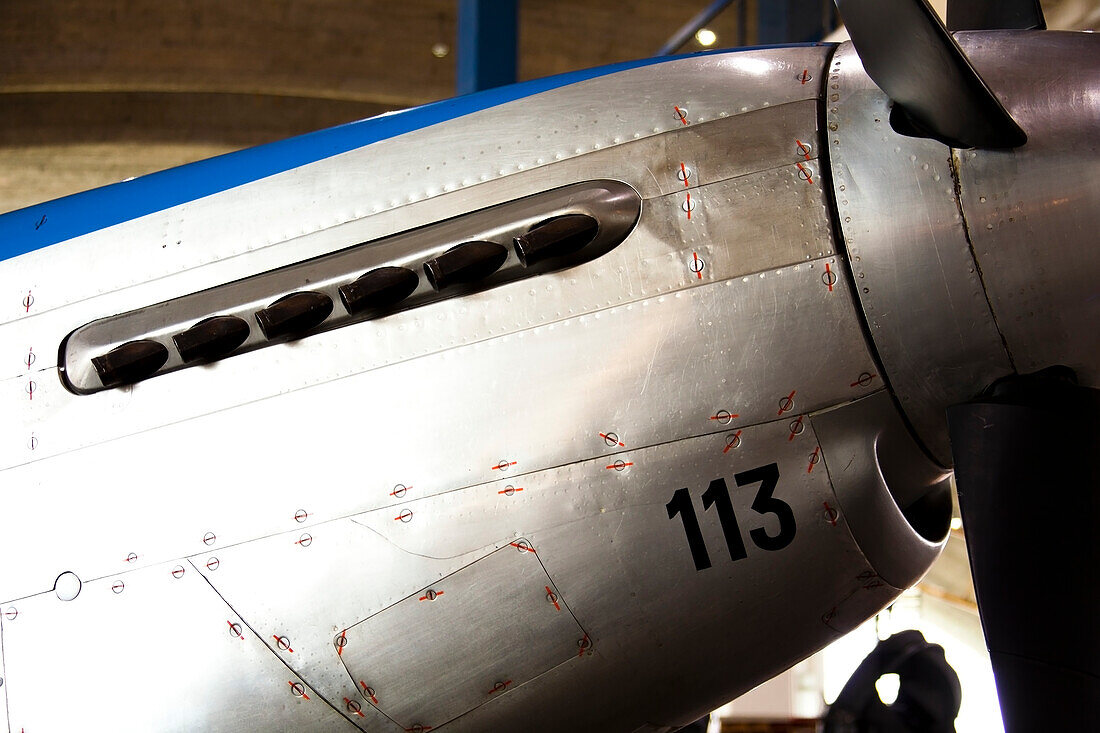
[(405, 516), (177, 572), (797, 426), (212, 564), (209, 538), (117, 587), (12, 613), (305, 540), (431, 595), (300, 516), (733, 441)]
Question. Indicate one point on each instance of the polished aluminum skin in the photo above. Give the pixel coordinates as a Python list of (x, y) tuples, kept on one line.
[(972, 265), (604, 497)]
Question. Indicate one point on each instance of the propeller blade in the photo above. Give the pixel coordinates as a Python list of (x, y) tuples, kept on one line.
[(912, 58), (995, 15)]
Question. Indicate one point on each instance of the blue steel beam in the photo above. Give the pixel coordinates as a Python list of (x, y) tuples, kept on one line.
[(487, 32)]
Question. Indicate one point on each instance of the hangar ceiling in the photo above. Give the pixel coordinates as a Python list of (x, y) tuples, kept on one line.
[(94, 92)]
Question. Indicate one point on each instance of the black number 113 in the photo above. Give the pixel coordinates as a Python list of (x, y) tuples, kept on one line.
[(718, 495)]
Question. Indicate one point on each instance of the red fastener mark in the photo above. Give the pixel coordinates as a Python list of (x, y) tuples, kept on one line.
[(30, 357), (796, 428), (584, 644), (341, 643), (806, 173), (28, 301), (829, 279), (684, 173), (553, 598), (830, 513), (806, 150), (814, 457), (620, 465), (353, 707), (724, 416), (732, 442), (609, 439), (510, 490), (689, 206), (681, 114), (369, 692), (283, 643), (787, 403), (399, 491), (235, 629), (132, 557), (503, 465), (864, 380), (696, 263), (431, 595), (500, 687), (804, 76), (31, 387), (298, 689), (526, 548), (406, 515)]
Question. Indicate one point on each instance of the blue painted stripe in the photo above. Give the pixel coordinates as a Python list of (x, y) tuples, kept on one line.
[(55, 221)]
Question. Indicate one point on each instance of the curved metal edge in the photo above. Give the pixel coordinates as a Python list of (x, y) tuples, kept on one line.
[(918, 285), (896, 501)]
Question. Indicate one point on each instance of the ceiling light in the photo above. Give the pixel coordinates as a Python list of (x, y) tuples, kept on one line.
[(705, 37)]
